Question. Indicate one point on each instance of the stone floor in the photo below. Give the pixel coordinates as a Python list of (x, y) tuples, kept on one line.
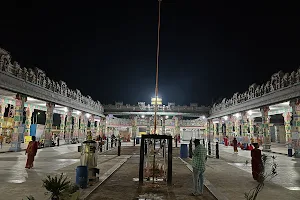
[(232, 177), (121, 184), (16, 182)]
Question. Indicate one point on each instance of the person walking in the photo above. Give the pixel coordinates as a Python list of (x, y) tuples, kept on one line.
[(1, 141), (31, 152), (256, 162), (198, 163), (235, 144)]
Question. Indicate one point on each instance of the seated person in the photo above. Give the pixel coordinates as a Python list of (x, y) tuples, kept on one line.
[(250, 147)]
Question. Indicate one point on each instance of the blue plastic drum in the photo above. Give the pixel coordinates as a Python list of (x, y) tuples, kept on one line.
[(183, 151), (82, 176)]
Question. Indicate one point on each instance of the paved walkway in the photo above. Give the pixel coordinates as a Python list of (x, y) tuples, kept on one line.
[(232, 177), (16, 182), (123, 183)]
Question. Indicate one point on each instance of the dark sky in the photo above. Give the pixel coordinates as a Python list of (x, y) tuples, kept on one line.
[(108, 49)]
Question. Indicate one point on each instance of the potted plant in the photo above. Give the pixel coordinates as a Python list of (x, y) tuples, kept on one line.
[(56, 185)]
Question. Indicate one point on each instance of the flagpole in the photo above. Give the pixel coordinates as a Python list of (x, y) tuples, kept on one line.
[(157, 65)]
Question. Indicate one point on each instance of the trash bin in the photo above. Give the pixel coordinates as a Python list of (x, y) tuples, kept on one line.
[(82, 176), (183, 151), (290, 150), (137, 140)]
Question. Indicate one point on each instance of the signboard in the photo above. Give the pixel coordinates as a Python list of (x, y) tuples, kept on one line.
[(27, 139)]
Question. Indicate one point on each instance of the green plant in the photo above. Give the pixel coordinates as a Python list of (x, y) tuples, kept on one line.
[(263, 176), (30, 198), (56, 185)]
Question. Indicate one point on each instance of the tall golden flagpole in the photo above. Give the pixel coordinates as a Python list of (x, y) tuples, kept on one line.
[(157, 64)]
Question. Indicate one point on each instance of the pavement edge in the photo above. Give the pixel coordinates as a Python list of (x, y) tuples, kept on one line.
[(105, 176), (214, 191)]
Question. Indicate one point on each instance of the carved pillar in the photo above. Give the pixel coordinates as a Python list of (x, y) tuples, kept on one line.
[(68, 126), (82, 129), (211, 130), (97, 128), (76, 126), (2, 110), (251, 127), (215, 129), (295, 104), (62, 126), (244, 122), (92, 126), (220, 132), (29, 111), (265, 128), (18, 119), (148, 125), (287, 116), (49, 122), (177, 125), (134, 126), (205, 129), (163, 132), (227, 124), (237, 128)]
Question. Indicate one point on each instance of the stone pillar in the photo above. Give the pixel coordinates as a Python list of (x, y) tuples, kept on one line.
[(97, 128), (220, 132), (244, 122), (237, 126), (82, 131), (62, 126), (92, 126), (216, 133), (2, 110), (295, 104), (29, 111), (177, 126), (148, 125), (163, 132), (265, 128), (287, 116), (18, 119), (134, 127), (251, 127), (68, 126), (49, 121), (211, 130), (227, 124), (76, 127)]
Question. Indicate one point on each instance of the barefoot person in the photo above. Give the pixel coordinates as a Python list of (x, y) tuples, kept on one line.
[(256, 162), (31, 152), (198, 163)]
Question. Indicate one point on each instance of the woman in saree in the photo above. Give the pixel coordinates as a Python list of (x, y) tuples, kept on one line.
[(31, 152)]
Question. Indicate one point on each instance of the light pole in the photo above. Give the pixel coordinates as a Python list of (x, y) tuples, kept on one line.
[(157, 65)]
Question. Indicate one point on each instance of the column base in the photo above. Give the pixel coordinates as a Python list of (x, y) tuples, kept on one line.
[(266, 147), (15, 146), (47, 143)]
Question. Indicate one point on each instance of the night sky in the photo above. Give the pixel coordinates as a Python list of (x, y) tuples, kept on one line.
[(108, 50)]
